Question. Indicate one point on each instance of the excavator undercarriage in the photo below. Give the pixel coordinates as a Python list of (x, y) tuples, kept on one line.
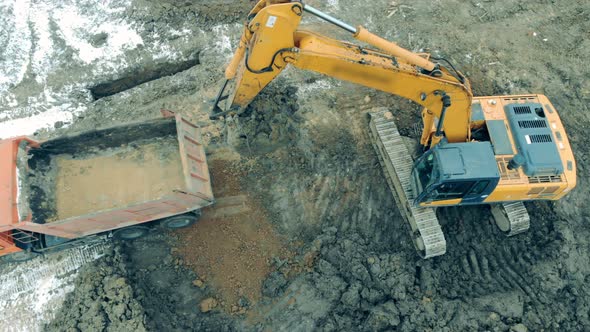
[(397, 163)]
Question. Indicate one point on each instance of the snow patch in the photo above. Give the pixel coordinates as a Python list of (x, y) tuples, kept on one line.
[(30, 124), (16, 38), (42, 112), (32, 292), (76, 27), (223, 42), (43, 51), (305, 90), (334, 4)]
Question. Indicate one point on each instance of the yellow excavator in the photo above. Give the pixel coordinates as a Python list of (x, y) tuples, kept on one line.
[(499, 150)]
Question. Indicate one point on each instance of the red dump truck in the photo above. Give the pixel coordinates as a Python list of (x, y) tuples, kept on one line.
[(118, 181)]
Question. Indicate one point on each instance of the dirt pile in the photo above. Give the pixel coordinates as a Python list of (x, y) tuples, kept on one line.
[(149, 170), (167, 289), (232, 253), (267, 123), (102, 300)]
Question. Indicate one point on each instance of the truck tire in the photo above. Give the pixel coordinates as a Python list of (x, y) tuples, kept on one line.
[(52, 241), (180, 221), (18, 257), (130, 233)]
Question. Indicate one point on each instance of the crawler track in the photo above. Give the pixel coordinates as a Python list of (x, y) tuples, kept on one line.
[(397, 163), (512, 218)]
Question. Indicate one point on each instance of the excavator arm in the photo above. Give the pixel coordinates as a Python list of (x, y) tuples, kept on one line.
[(271, 40)]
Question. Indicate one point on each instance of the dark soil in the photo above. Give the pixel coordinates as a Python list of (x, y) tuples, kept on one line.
[(303, 153), (102, 300)]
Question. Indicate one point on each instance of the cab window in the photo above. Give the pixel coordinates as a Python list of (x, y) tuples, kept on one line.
[(451, 190), (425, 168), (479, 187)]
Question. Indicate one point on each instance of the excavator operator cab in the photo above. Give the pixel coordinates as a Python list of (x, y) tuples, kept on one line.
[(455, 174)]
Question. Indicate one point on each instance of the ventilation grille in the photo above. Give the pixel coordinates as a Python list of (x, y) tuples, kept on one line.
[(505, 173), (522, 110), (532, 124), (536, 190), (545, 179), (545, 138), (520, 98), (543, 191)]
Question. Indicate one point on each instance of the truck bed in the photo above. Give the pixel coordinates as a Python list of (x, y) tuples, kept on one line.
[(118, 176)]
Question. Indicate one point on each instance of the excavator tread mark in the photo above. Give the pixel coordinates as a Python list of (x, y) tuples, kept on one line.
[(397, 163)]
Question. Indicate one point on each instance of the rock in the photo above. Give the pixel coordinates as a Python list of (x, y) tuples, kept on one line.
[(274, 284), (58, 124), (518, 328), (243, 302), (208, 304), (326, 267), (372, 295), (99, 39), (331, 287), (351, 298), (383, 316), (361, 273), (199, 283)]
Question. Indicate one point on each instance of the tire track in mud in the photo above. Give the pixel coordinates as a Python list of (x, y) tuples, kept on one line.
[(485, 262), (31, 292), (495, 272), (485, 269), (24, 277)]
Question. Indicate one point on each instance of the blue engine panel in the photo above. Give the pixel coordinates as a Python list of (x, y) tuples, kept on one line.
[(534, 139)]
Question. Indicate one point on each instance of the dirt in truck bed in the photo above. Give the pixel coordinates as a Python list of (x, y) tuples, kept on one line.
[(300, 155), (93, 180), (129, 175)]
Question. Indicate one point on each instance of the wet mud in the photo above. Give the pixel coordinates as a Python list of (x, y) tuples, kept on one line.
[(301, 155)]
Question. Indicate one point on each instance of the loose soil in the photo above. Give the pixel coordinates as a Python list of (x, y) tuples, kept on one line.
[(101, 301), (233, 253)]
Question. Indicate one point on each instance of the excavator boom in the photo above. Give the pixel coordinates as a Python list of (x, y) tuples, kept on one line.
[(271, 40)]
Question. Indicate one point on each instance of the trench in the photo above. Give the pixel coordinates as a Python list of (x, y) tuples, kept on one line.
[(141, 76)]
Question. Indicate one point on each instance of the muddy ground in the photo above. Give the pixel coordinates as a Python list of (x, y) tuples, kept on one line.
[(322, 226)]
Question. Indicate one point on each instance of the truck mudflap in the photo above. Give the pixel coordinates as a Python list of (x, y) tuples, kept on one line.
[(397, 163)]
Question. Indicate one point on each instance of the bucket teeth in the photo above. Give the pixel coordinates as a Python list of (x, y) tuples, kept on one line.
[(397, 163)]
